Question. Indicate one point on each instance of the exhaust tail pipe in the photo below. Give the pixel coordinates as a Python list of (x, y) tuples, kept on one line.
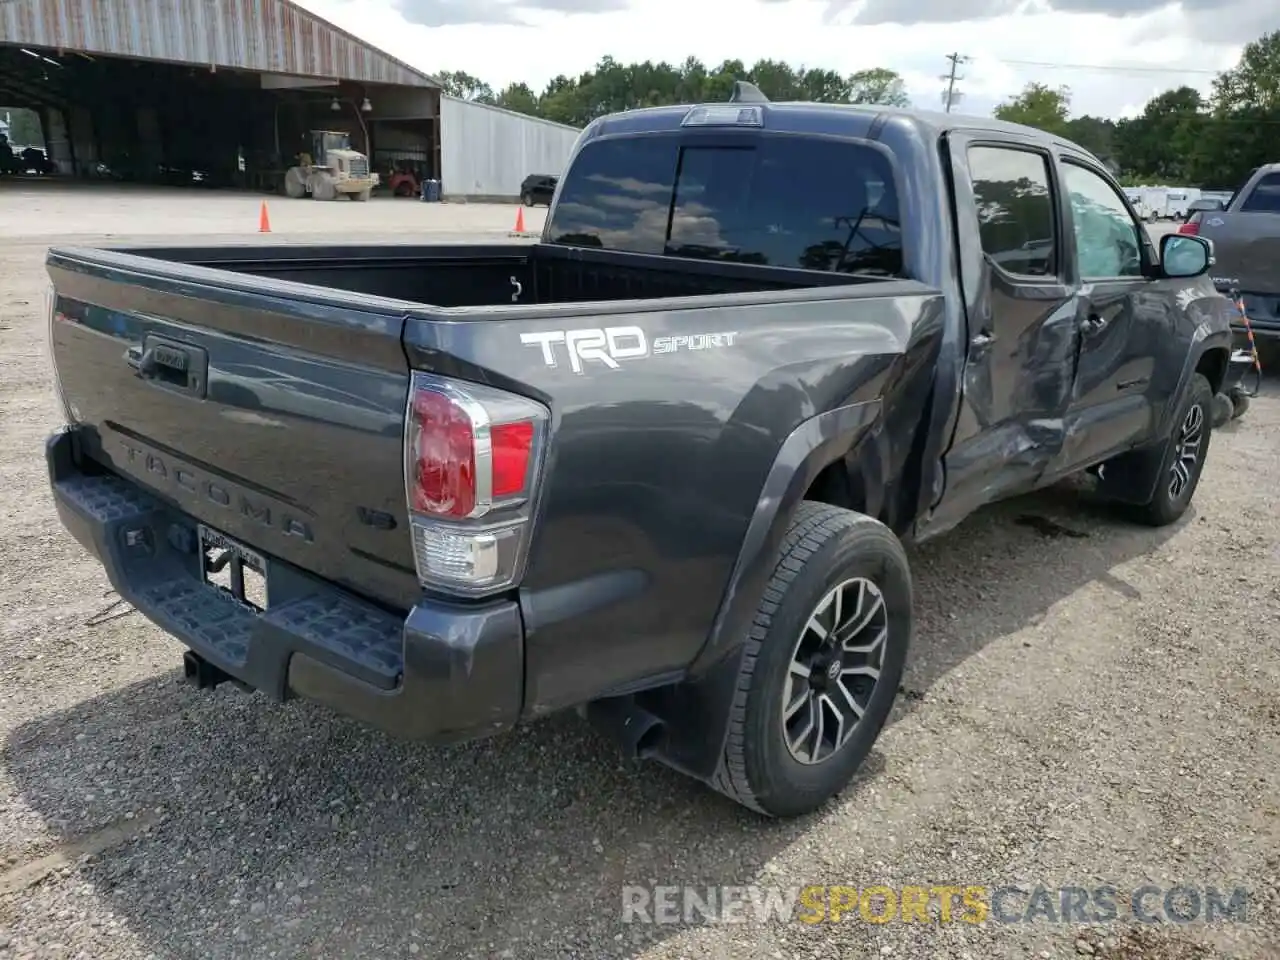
[(200, 673), (633, 728)]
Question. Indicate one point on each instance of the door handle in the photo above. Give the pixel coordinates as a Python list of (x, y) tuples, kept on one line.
[(170, 364), (1093, 323), (983, 339), (139, 360)]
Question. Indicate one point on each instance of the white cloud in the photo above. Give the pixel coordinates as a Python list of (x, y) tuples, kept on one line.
[(804, 32)]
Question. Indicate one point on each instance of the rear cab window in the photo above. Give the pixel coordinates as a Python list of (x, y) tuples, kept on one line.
[(1265, 196), (783, 201)]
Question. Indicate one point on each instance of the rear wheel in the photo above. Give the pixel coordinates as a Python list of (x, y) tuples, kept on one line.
[(295, 184), (822, 665), (1222, 409), (362, 196), (527, 198), (1239, 402)]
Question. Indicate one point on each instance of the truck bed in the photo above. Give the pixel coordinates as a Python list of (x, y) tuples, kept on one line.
[(479, 275)]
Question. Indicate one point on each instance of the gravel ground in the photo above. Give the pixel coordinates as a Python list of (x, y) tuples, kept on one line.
[(1087, 703)]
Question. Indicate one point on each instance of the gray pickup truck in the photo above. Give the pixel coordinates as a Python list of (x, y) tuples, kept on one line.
[(659, 465), (1245, 232)]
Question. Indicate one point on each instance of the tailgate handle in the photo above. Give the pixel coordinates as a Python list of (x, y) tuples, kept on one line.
[(169, 364)]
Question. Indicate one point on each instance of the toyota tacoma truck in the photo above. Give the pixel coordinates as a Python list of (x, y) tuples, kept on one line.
[(657, 466)]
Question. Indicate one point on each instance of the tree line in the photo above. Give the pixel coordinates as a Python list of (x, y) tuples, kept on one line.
[(614, 86), (1180, 138)]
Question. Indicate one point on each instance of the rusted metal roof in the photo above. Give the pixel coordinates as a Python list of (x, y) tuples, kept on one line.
[(270, 36)]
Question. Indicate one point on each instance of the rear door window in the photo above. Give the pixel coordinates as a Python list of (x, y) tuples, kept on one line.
[(1265, 196), (1016, 221), (782, 201)]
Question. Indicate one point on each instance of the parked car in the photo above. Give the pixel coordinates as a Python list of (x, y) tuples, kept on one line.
[(1245, 232), (1203, 205), (658, 466), (538, 188)]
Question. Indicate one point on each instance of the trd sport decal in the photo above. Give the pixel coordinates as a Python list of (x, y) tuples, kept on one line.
[(610, 345)]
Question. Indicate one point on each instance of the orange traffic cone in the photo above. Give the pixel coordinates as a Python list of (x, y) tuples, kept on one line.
[(264, 222), (519, 219)]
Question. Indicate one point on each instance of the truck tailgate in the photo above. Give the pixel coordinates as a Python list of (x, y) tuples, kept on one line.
[(1246, 247), (272, 412)]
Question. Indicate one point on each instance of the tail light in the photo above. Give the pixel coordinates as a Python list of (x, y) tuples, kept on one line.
[(473, 457), (1192, 227)]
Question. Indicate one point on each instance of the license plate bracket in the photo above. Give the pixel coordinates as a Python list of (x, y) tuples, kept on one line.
[(232, 568)]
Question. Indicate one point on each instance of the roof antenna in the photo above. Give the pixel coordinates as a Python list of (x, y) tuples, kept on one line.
[(745, 92)]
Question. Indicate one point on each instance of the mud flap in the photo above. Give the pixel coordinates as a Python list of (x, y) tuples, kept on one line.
[(1132, 477)]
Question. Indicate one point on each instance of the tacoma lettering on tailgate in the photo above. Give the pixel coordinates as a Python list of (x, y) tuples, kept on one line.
[(172, 477)]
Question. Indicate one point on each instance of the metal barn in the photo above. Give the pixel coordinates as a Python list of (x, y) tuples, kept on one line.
[(485, 152), (224, 92)]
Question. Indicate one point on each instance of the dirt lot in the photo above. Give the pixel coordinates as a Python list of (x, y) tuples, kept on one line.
[(1087, 704)]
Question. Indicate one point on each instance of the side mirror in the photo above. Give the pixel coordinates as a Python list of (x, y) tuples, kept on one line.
[(1182, 255)]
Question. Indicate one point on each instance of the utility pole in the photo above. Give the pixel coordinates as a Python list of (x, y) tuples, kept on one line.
[(950, 96)]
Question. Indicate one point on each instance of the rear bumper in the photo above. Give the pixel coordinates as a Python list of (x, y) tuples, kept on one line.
[(1263, 311), (1264, 332), (442, 673)]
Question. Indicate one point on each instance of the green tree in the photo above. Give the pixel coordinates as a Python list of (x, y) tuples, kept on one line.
[(459, 83), (776, 80), (1095, 134), (877, 85), (518, 97), (1254, 81), (1038, 105), (1241, 129), (611, 86), (823, 86), (1165, 141)]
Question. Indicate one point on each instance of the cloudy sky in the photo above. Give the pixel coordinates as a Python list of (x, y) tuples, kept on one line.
[(1146, 46)]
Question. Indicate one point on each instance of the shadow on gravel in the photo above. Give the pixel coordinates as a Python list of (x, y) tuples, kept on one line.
[(1005, 567), (287, 832)]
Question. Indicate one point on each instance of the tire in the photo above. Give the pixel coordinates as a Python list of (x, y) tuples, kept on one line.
[(1239, 404), (528, 199), (1174, 492), (1222, 409), (362, 196), (295, 184), (824, 547)]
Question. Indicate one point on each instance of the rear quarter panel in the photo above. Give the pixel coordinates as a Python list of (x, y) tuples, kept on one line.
[(656, 466)]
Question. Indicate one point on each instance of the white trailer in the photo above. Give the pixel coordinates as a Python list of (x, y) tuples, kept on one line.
[(1177, 200), (1154, 201)]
